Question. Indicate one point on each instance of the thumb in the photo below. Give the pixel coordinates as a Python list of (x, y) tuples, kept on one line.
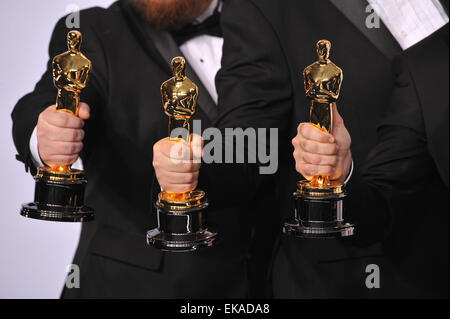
[(337, 119), (84, 111), (197, 147)]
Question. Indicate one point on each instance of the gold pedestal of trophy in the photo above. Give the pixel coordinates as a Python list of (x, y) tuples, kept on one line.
[(59, 191), (319, 202), (181, 218)]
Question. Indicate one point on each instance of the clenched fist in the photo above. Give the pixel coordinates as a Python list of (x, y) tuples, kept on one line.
[(317, 152), (177, 163), (60, 135)]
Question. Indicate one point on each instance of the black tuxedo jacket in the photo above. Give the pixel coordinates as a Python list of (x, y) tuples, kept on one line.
[(267, 45), (130, 61), (409, 167)]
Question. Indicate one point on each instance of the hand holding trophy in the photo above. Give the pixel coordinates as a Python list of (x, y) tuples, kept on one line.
[(59, 192), (181, 221), (319, 202)]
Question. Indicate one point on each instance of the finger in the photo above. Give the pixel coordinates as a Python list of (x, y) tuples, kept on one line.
[(161, 162), (171, 165), (317, 159), (311, 132), (178, 178), (84, 111), (63, 119), (55, 133), (315, 147), (63, 148), (313, 170)]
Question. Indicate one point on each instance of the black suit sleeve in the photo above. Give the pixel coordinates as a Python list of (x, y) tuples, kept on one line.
[(397, 168), (28, 108), (253, 84), (400, 162)]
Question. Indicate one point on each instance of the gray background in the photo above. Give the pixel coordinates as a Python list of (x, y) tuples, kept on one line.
[(33, 254)]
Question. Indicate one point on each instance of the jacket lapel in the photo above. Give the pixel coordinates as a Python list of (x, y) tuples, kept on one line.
[(381, 38)]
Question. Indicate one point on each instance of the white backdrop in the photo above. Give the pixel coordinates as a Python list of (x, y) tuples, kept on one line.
[(33, 254)]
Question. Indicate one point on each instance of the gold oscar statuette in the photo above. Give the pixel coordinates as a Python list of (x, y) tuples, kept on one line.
[(59, 191), (181, 218), (319, 202)]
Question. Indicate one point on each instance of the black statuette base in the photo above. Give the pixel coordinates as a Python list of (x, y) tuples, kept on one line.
[(181, 230), (61, 201), (318, 217)]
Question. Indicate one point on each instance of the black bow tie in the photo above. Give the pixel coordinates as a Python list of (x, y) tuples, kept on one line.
[(211, 26)]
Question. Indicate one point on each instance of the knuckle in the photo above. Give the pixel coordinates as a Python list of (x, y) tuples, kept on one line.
[(73, 148), (64, 120), (297, 155), (80, 135), (67, 148), (79, 122), (189, 166), (196, 166), (294, 141), (315, 159), (310, 146), (73, 135), (334, 161), (302, 129), (190, 178)]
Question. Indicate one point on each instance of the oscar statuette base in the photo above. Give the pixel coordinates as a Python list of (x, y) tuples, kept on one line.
[(182, 226), (318, 213), (59, 196)]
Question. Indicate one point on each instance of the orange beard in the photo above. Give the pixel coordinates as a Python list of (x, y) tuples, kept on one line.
[(170, 14)]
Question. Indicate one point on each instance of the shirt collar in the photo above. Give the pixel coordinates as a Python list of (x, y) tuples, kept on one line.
[(209, 12)]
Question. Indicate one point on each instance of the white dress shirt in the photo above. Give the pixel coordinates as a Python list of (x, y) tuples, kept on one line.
[(410, 21)]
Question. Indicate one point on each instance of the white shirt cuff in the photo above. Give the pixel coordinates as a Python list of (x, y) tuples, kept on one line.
[(349, 174), (34, 149)]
